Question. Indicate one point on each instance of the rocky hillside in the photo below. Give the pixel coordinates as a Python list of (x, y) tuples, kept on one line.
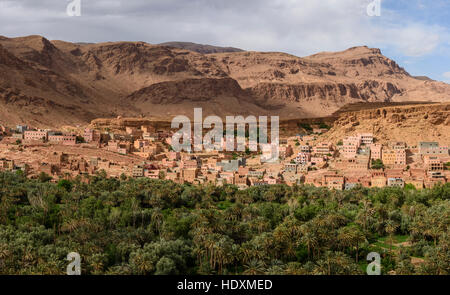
[(54, 83), (410, 124)]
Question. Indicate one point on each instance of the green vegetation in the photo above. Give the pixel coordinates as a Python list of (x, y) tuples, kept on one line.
[(143, 226), (377, 164), (322, 125), (80, 139), (306, 127), (409, 186)]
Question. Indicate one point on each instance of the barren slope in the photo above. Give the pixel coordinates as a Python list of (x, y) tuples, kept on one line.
[(54, 83)]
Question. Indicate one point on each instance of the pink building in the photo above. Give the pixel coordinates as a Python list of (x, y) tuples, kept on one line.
[(433, 149), (319, 161), (350, 147), (140, 144), (352, 140), (333, 178), (152, 174), (349, 151), (169, 164), (243, 171), (91, 135), (272, 180), (366, 138), (119, 147), (173, 156), (189, 164), (433, 163), (36, 135), (69, 139), (400, 157), (375, 151), (323, 148), (303, 158)]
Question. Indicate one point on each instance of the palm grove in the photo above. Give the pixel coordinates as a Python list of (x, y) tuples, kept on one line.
[(144, 227)]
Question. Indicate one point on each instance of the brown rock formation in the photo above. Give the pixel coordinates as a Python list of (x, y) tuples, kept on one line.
[(54, 83), (409, 124)]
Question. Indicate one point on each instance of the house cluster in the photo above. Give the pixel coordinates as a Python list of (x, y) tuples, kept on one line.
[(65, 165), (303, 159), (358, 160), (355, 160), (11, 166), (29, 135)]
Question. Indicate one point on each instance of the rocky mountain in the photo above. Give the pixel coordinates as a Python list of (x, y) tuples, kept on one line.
[(54, 83), (201, 48)]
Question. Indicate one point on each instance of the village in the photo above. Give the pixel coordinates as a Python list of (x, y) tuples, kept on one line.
[(357, 160)]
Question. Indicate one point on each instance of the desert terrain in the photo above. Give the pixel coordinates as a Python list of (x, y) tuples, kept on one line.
[(47, 83)]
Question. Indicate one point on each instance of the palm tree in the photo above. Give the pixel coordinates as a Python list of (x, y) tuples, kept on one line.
[(157, 219), (345, 237), (141, 264), (365, 213), (309, 238), (134, 209), (254, 267), (351, 236), (358, 238), (391, 228), (4, 255)]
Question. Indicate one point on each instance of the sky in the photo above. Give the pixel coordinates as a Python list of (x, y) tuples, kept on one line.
[(415, 33)]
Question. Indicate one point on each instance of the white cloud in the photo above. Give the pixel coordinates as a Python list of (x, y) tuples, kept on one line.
[(414, 40), (299, 27), (446, 76)]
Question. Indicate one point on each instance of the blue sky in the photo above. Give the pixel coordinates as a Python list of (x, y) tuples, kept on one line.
[(432, 13), (415, 33)]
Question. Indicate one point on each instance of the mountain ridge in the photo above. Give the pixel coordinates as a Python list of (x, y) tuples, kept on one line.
[(51, 83), (200, 48)]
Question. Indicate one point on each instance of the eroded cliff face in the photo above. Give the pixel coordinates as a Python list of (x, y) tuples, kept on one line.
[(365, 91), (409, 124), (193, 90), (360, 62), (51, 83)]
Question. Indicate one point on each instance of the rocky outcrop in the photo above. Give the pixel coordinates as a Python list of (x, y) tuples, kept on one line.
[(403, 123), (192, 90), (365, 91), (429, 112), (361, 61)]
